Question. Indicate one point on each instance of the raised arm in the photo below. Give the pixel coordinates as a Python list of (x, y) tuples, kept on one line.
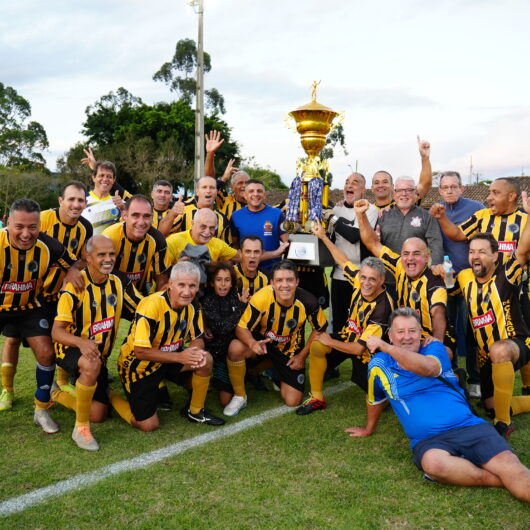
[(368, 235), (448, 228), (339, 256), (166, 224), (523, 247), (425, 182), (213, 142)]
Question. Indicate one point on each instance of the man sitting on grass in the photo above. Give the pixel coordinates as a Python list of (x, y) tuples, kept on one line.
[(449, 443)]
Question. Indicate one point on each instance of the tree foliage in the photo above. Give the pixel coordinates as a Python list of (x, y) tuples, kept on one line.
[(269, 177), (20, 140)]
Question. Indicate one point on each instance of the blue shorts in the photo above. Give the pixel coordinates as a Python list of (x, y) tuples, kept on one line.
[(477, 443)]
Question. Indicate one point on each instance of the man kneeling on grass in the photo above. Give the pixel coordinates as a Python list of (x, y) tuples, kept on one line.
[(84, 333), (155, 351), (449, 443)]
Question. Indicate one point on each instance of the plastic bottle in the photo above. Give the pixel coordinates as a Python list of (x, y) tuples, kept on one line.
[(449, 273)]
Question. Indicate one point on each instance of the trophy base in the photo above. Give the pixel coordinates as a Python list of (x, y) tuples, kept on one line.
[(307, 249)]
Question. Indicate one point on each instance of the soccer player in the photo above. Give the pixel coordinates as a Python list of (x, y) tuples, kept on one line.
[(449, 443), (273, 324), (370, 307), (492, 291), (66, 225), (417, 286), (26, 255), (252, 279), (140, 248), (155, 350), (161, 194), (84, 333)]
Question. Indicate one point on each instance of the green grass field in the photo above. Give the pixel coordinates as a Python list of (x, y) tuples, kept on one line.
[(288, 472)]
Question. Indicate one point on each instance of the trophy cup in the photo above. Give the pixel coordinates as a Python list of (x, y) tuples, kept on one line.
[(308, 195)]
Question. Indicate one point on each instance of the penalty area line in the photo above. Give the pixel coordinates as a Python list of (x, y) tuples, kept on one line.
[(38, 496)]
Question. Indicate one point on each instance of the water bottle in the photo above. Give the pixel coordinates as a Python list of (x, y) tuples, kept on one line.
[(448, 270)]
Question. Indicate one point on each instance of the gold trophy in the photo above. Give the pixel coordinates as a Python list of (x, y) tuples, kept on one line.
[(309, 193)]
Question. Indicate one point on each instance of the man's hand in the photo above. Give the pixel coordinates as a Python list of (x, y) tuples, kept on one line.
[(438, 270), (424, 148), (213, 141), (230, 170), (117, 200), (428, 339), (208, 335), (260, 347), (525, 201), (358, 432), (318, 230), (374, 343), (281, 249), (193, 357), (244, 296), (74, 277), (90, 159), (178, 207), (296, 362), (437, 211), (324, 338), (361, 206), (89, 349)]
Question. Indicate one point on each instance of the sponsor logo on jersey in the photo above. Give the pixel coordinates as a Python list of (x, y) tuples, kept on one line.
[(507, 246), (415, 222), (134, 276), (19, 287), (267, 228), (353, 326), (173, 346), (102, 326), (483, 320), (277, 338)]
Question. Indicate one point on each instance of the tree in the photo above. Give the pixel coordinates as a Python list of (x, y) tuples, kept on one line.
[(20, 141), (269, 177), (178, 74)]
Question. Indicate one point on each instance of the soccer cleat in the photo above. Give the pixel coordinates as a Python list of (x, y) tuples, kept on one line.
[(204, 416), (310, 405), (474, 390), (6, 399), (84, 439), (503, 429), (236, 404), (43, 419), (68, 387)]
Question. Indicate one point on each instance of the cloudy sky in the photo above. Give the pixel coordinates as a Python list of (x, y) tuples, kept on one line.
[(456, 72)]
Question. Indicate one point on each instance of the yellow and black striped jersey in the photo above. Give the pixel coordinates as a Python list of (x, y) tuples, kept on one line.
[(158, 215), (228, 205), (73, 237), (421, 294), (22, 271), (495, 312), (506, 229), (95, 313), (157, 326), (366, 317), (284, 326), (252, 284), (183, 222), (139, 260)]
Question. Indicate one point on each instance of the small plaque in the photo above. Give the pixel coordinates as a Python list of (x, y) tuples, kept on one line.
[(302, 250)]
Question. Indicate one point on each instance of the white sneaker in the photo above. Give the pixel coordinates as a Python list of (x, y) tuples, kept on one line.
[(44, 420), (84, 439), (236, 404), (474, 391)]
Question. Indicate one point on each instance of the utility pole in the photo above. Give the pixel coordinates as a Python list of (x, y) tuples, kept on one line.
[(199, 95)]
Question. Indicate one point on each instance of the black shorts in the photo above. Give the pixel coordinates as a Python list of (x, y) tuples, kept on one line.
[(314, 280), (476, 443), (70, 363), (220, 378), (294, 378), (31, 323), (143, 396)]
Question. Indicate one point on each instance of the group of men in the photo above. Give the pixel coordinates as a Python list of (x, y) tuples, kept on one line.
[(70, 274)]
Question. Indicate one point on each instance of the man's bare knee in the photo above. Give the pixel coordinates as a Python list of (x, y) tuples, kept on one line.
[(148, 425), (503, 351), (434, 462), (206, 370)]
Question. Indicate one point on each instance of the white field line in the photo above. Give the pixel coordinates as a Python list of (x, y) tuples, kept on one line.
[(23, 502)]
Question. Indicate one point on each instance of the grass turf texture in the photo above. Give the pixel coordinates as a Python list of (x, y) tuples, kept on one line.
[(290, 471)]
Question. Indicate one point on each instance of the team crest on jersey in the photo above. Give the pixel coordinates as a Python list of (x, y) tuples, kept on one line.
[(112, 299), (141, 258), (33, 266), (415, 222), (74, 243), (483, 320), (353, 326), (507, 246), (513, 228), (267, 228), (291, 323), (18, 287), (134, 276), (102, 326), (277, 338), (173, 346)]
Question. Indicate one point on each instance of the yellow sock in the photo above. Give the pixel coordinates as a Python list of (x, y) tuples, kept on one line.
[(163, 384), (520, 404), (41, 405), (236, 372), (84, 395), (61, 375), (199, 388), (121, 406), (525, 374), (317, 368), (503, 376), (8, 376)]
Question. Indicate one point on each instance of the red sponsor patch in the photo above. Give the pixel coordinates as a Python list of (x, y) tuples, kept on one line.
[(507, 246), (483, 320), (353, 326), (174, 346), (134, 276), (277, 338), (102, 326), (19, 287)]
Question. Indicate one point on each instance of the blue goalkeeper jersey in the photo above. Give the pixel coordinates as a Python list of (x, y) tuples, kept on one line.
[(424, 405)]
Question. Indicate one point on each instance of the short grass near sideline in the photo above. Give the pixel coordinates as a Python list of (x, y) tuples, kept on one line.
[(287, 472)]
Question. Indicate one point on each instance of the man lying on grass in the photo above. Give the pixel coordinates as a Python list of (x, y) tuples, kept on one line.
[(449, 443)]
